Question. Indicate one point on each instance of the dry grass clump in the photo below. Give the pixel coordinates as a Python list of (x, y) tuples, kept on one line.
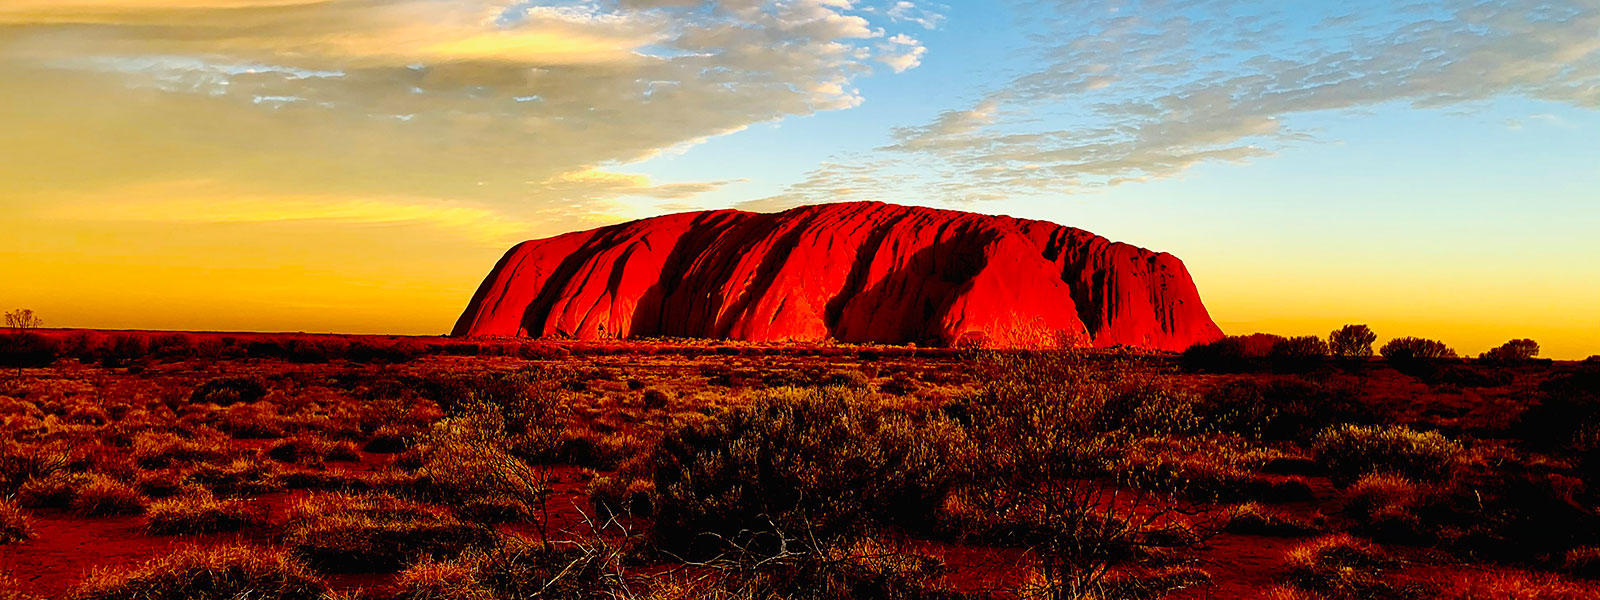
[(217, 573), (55, 490), (1350, 451), (197, 511), (15, 526), (1252, 518), (1512, 585), (1340, 566), (239, 477), (152, 450), (515, 568), (1389, 507), (310, 450), (102, 496), (1209, 469), (374, 532)]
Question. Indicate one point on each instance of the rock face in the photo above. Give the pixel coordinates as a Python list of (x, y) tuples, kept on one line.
[(853, 272)]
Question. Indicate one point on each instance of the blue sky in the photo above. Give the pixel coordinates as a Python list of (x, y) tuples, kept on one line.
[(1427, 167)]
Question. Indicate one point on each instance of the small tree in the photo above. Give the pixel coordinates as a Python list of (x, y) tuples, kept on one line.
[(25, 348), (1513, 351), (1351, 341), (23, 319)]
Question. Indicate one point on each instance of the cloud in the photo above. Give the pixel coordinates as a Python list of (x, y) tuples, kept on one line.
[(908, 11), (489, 103), (1137, 91), (901, 52)]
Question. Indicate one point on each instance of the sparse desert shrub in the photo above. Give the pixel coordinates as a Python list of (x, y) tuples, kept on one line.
[(1340, 566), (1252, 518), (198, 512), (1298, 354), (1408, 351), (1200, 468), (371, 531), (822, 462), (217, 573), (1512, 352), (865, 569), (101, 496), (225, 391), (15, 526), (1351, 341), (1351, 451), (1149, 409)]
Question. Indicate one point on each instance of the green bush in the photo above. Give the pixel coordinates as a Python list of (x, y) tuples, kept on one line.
[(1350, 451), (821, 463)]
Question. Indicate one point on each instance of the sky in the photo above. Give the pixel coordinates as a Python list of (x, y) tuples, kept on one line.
[(1430, 168)]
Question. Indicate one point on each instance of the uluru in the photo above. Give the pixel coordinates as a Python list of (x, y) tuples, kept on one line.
[(852, 272)]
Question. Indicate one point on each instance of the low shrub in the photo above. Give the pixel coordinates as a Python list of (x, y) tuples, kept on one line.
[(199, 512), (101, 496), (15, 526), (1406, 351), (1351, 451), (216, 573), (1391, 508), (374, 532), (1512, 352), (225, 391), (655, 399), (1282, 410), (822, 462), (241, 476), (430, 579), (1298, 354)]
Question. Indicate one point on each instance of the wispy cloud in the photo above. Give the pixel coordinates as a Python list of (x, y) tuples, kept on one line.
[(1142, 90), (486, 102)]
